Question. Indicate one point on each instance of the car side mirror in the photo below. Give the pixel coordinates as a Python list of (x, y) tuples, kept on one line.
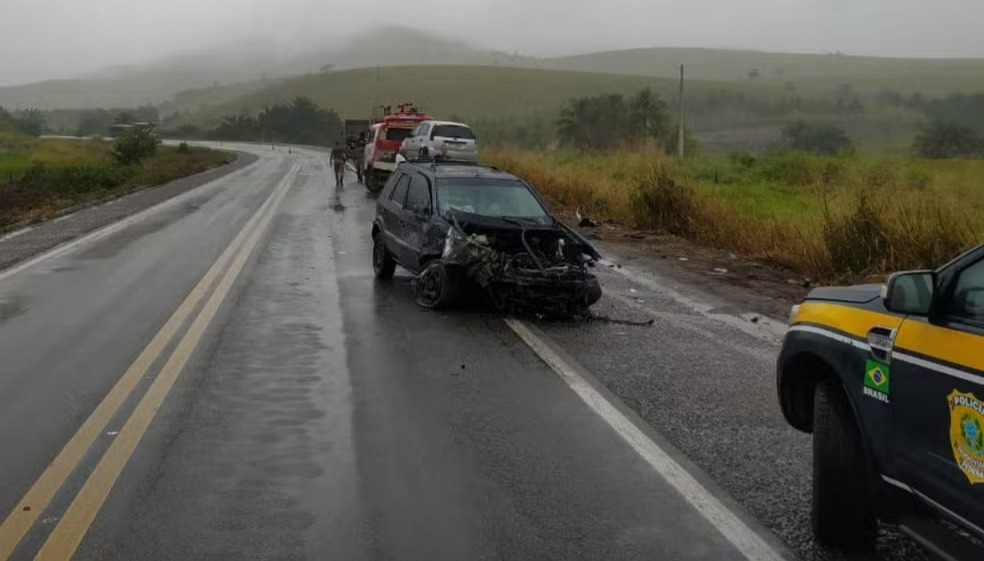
[(910, 293)]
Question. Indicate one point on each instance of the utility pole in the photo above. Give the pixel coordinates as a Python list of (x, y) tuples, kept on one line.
[(680, 142)]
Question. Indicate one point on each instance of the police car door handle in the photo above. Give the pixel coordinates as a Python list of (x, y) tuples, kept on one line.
[(881, 340)]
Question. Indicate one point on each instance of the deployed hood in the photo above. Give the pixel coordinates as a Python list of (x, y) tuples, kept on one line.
[(860, 294)]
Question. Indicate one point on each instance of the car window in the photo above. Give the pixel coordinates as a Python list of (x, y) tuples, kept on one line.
[(453, 131), (418, 198), (399, 196), (398, 133), (488, 197), (966, 301)]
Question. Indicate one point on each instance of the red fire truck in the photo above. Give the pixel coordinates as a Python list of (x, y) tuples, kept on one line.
[(385, 138)]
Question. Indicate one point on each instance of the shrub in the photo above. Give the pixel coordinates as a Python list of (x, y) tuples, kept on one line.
[(183, 148), (135, 145), (857, 241), (665, 203)]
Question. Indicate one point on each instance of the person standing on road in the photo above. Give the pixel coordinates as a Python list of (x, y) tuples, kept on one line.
[(339, 155), (357, 153)]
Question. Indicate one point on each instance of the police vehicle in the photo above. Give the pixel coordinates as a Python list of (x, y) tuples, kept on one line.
[(890, 382)]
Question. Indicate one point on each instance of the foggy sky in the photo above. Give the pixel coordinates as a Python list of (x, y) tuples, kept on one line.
[(41, 39)]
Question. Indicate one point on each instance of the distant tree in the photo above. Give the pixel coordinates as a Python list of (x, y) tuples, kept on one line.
[(606, 121), (819, 139), (301, 122), (945, 140), (135, 145), (648, 112), (30, 121), (237, 127), (124, 118), (968, 110), (188, 130), (6, 120), (572, 124), (754, 74), (96, 121), (146, 114), (890, 97)]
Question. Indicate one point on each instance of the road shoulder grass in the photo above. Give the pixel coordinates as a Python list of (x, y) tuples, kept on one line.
[(41, 179)]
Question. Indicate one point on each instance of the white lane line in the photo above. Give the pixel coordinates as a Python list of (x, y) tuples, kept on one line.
[(116, 226), (739, 534), (16, 233), (753, 323)]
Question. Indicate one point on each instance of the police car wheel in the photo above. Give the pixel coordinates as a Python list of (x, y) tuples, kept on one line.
[(843, 514)]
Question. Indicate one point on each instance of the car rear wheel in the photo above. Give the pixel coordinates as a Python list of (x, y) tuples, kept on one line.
[(383, 265), (374, 181), (437, 286), (843, 513)]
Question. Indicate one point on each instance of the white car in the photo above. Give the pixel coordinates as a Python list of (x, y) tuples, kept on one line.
[(441, 139)]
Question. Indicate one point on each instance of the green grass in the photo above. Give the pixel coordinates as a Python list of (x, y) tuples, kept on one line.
[(838, 218), (40, 177)]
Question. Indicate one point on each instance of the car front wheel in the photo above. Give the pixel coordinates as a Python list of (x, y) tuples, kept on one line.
[(437, 286), (383, 265), (843, 513)]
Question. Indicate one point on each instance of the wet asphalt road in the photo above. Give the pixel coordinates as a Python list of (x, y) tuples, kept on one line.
[(322, 415)]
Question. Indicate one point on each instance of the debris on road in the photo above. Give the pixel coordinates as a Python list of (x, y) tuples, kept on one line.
[(585, 221)]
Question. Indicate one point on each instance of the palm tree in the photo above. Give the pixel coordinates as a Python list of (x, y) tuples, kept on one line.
[(648, 113), (570, 126)]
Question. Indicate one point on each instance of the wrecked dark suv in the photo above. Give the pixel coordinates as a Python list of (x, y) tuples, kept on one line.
[(460, 226)]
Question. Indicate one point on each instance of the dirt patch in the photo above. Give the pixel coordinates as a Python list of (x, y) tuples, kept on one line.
[(754, 286)]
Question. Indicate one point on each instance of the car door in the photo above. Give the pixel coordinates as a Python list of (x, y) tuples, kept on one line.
[(393, 209), (937, 389), (418, 213)]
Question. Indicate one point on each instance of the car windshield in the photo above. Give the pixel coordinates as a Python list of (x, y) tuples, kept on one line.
[(496, 198), (453, 131)]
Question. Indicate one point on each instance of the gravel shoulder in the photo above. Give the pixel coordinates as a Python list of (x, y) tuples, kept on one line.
[(26, 243), (703, 375)]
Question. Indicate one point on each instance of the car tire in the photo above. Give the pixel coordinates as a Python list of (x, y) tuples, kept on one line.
[(843, 507), (383, 265), (374, 183), (437, 286), (424, 153)]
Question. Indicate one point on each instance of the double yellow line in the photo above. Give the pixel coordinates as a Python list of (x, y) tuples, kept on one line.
[(73, 525)]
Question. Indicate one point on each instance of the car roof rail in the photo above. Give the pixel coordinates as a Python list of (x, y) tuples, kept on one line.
[(434, 162)]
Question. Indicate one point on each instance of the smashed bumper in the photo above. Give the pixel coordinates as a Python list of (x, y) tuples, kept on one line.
[(532, 271)]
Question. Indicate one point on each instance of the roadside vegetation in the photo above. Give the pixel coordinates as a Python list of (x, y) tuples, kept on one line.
[(832, 217), (39, 177), (813, 202)]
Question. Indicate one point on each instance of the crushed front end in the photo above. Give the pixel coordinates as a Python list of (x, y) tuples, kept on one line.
[(526, 269)]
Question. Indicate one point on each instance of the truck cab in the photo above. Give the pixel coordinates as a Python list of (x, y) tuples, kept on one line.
[(385, 139)]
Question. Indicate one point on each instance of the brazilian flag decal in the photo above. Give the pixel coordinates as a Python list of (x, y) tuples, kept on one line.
[(877, 377)]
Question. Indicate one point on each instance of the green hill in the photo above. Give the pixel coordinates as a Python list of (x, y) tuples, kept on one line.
[(470, 91), (808, 72), (223, 73)]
